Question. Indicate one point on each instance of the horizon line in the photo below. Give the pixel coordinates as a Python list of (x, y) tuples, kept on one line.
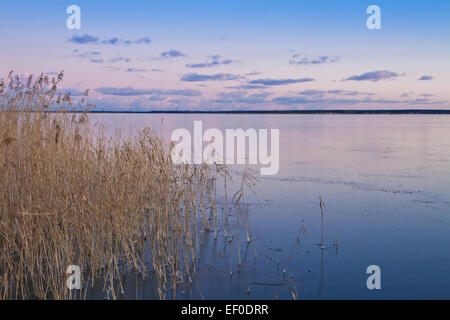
[(342, 111)]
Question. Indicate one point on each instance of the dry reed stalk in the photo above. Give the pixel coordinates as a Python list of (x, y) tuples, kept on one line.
[(322, 206), (71, 196)]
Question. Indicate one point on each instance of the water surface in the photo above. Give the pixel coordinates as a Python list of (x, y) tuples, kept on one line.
[(385, 182)]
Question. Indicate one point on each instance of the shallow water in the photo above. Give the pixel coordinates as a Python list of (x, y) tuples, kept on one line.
[(385, 182)]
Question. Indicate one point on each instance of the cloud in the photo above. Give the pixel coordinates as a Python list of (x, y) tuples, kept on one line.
[(279, 82), (89, 39), (296, 100), (375, 76), (319, 100), (426, 78), (143, 40), (203, 64), (172, 54), (93, 56), (157, 98), (333, 92), (215, 60), (426, 101), (130, 91), (84, 39), (181, 92), (136, 70), (384, 101), (312, 92), (347, 93), (297, 59), (119, 59), (253, 73), (203, 77), (112, 41), (248, 87)]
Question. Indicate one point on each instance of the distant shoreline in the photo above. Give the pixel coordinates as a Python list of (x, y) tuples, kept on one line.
[(306, 112), (299, 112)]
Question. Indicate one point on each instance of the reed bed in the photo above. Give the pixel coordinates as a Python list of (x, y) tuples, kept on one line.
[(70, 196)]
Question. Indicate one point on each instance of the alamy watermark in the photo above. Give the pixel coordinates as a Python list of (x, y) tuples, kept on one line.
[(74, 279), (374, 280), (235, 140), (374, 20), (74, 20)]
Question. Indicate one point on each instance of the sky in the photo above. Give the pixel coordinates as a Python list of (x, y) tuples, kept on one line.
[(236, 55)]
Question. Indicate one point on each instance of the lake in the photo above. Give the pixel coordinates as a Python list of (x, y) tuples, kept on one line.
[(385, 183)]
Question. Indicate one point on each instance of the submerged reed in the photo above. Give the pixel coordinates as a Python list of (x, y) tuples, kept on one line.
[(70, 196)]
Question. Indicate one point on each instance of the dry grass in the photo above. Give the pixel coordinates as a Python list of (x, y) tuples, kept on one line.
[(69, 197)]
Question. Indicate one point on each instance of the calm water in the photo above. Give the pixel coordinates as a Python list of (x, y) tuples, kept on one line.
[(385, 182)]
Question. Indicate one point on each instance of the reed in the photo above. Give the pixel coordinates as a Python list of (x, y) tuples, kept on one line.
[(322, 234), (72, 196)]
